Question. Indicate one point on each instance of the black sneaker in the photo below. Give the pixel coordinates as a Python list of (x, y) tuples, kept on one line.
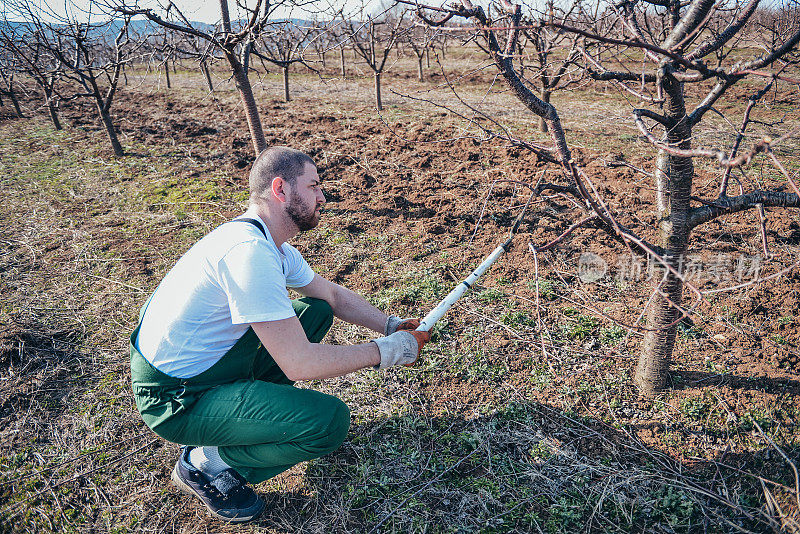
[(227, 496)]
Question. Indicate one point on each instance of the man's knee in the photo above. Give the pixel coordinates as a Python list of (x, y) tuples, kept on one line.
[(319, 307), (316, 317), (332, 437)]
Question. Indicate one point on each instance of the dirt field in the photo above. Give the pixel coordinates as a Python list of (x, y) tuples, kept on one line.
[(520, 416)]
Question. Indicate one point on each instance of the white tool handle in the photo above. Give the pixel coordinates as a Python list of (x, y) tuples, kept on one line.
[(435, 314)]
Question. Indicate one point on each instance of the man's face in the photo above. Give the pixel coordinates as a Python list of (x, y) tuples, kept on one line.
[(305, 199)]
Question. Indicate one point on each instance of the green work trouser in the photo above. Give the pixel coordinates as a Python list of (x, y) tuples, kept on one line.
[(245, 405)]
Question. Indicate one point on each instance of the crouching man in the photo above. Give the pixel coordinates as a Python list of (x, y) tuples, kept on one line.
[(219, 345)]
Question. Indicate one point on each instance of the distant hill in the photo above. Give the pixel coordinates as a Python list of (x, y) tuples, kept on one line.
[(139, 26)]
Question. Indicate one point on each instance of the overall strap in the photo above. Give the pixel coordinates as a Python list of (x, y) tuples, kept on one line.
[(254, 223)]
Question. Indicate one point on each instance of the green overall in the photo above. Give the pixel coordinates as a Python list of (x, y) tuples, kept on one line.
[(245, 405)]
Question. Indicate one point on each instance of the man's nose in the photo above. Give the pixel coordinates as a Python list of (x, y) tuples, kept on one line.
[(321, 198)]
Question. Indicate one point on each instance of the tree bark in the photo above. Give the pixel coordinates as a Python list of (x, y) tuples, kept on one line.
[(286, 83), (250, 108), (105, 118), (13, 96), (378, 101), (546, 99), (166, 72), (420, 73), (207, 75), (14, 102), (341, 53), (52, 108), (674, 229)]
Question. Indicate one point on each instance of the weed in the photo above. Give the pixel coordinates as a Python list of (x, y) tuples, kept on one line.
[(490, 295), (517, 319), (547, 288), (675, 507), (583, 327), (612, 334)]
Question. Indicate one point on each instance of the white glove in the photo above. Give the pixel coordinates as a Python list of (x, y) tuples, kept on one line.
[(394, 322), (401, 348)]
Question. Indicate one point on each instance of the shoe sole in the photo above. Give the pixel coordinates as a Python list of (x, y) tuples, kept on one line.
[(185, 488)]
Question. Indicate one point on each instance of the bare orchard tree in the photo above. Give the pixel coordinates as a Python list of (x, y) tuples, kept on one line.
[(419, 38), (340, 37), (9, 65), (373, 38), (283, 43), (676, 47), (91, 54), (233, 41), (38, 63), (320, 40), (552, 54)]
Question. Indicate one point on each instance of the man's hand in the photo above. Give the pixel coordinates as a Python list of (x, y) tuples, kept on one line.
[(394, 323), (401, 348)]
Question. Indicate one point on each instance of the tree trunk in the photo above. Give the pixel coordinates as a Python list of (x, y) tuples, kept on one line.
[(246, 57), (124, 75), (207, 75), (52, 108), (250, 108), (341, 52), (105, 118), (420, 73), (166, 71), (322, 55), (286, 83), (545, 95), (378, 102), (428, 56), (14, 102), (678, 173)]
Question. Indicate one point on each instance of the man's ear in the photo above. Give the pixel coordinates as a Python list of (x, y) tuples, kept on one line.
[(278, 189)]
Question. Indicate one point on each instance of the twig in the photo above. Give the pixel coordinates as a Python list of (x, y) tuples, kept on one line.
[(785, 457)]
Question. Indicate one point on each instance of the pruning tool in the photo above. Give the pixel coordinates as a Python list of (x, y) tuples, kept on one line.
[(438, 312)]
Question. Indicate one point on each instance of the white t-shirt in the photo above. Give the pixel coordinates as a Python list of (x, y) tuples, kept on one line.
[(230, 278)]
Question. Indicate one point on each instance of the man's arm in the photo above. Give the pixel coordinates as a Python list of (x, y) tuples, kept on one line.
[(347, 305), (300, 359)]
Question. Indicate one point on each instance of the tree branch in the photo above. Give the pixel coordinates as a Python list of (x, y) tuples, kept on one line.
[(728, 205)]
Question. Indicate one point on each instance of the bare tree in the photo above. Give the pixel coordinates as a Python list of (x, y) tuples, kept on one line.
[(283, 43), (373, 39), (8, 67), (91, 54), (553, 54), (320, 38), (230, 40), (38, 63), (674, 42), (419, 39)]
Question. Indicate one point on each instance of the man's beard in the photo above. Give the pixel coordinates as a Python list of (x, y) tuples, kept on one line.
[(304, 217)]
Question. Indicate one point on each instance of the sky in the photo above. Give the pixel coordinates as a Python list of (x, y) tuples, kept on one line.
[(207, 11)]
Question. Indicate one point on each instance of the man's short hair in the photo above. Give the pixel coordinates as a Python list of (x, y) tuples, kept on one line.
[(282, 161)]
